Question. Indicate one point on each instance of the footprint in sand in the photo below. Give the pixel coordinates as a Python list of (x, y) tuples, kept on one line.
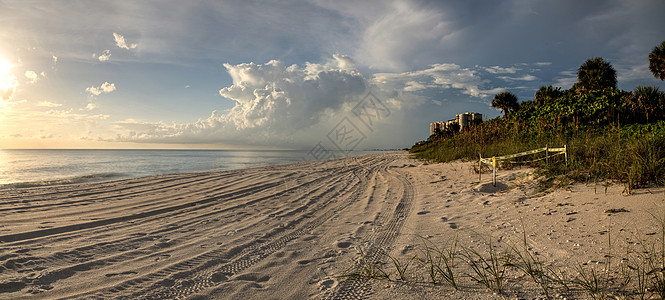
[(453, 225), (219, 277), (424, 212), (327, 284), (444, 219), (343, 244)]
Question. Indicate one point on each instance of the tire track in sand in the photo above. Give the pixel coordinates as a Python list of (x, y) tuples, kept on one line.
[(190, 276), (360, 288)]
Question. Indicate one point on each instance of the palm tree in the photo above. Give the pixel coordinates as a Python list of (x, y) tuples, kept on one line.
[(596, 74), (647, 100), (657, 61), (547, 93), (506, 102)]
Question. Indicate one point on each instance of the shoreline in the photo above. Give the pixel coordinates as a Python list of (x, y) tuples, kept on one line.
[(291, 231), (123, 174)]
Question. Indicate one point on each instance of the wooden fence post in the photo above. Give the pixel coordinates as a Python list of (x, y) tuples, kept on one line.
[(480, 168), (547, 156), (494, 170)]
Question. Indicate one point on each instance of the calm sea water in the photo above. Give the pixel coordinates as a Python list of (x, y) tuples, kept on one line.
[(24, 168)]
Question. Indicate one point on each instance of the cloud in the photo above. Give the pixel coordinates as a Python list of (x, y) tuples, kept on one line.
[(527, 77), (272, 101), (90, 106), (48, 104), (32, 75), (104, 88), (105, 56), (500, 70), (55, 59), (567, 79), (290, 106), (293, 96), (403, 35), (8, 87), (439, 77), (120, 42)]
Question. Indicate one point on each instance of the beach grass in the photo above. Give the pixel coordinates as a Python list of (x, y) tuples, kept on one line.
[(638, 275)]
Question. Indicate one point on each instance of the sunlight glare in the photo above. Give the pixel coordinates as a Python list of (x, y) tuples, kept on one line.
[(6, 81), (5, 66)]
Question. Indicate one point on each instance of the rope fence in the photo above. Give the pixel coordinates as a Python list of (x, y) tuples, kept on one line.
[(549, 152)]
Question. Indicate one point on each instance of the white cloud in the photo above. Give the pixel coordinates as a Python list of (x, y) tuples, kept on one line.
[(48, 104), (567, 79), (501, 70), (438, 76), (55, 59), (105, 56), (120, 42), (104, 88), (32, 75), (108, 87), (90, 106), (272, 102), (293, 96), (527, 77), (283, 105)]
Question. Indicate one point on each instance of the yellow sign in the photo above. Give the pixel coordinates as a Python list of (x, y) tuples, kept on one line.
[(493, 161)]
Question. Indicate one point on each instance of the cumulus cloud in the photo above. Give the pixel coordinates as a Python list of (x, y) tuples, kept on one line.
[(271, 100), (31, 75), (55, 59), (282, 105), (120, 42), (105, 56), (291, 95), (104, 88)]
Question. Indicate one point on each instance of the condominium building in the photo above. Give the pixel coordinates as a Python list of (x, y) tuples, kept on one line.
[(463, 120)]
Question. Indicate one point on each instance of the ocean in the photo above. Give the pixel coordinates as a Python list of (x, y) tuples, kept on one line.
[(27, 168)]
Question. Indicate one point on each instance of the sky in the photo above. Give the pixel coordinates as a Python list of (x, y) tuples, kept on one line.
[(308, 74)]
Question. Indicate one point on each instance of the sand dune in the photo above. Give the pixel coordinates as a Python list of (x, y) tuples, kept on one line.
[(290, 231)]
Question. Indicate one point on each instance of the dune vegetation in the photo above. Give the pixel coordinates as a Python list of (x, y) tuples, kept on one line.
[(611, 134)]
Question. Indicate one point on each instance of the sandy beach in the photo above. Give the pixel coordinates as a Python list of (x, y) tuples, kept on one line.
[(291, 231)]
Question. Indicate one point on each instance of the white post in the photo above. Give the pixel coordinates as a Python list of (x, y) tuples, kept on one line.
[(565, 154), (480, 168), (494, 170)]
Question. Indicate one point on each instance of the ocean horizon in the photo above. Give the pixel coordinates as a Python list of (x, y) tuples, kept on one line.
[(43, 167)]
